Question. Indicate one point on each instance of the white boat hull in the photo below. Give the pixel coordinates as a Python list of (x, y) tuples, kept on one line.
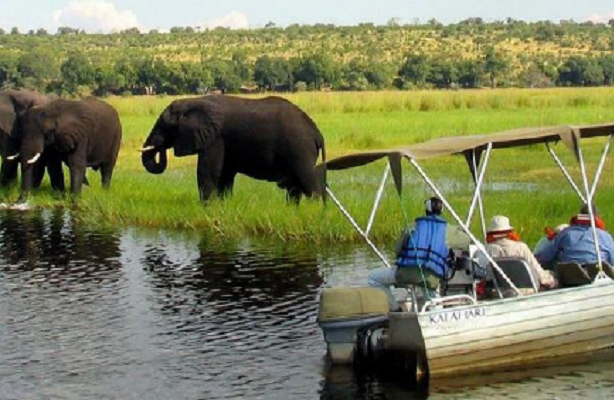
[(522, 331)]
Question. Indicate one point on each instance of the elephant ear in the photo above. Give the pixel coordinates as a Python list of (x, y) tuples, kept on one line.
[(7, 116), (69, 131), (199, 128)]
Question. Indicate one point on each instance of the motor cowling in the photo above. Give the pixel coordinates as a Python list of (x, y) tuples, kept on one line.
[(343, 313)]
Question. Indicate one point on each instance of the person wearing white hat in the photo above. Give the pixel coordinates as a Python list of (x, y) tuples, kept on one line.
[(503, 241)]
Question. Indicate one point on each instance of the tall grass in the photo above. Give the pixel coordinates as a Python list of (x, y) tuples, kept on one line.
[(350, 122)]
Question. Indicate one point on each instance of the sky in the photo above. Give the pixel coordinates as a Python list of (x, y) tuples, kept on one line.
[(105, 16)]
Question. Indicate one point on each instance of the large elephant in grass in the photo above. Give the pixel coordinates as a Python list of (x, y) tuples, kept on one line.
[(13, 106), (82, 133), (269, 139)]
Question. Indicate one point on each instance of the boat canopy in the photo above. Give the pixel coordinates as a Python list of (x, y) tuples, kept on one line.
[(567, 134), (472, 147)]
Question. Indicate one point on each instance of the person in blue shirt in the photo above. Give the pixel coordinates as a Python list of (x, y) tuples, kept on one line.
[(576, 243), (421, 256)]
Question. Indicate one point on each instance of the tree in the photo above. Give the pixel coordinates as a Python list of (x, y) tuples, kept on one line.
[(579, 71), (271, 73), (415, 69), (145, 75), (66, 30), (607, 65), (108, 80), (470, 73), (126, 70), (316, 70), (394, 22), (8, 71), (379, 74), (37, 68), (131, 31), (224, 76), (495, 65), (77, 71), (241, 66), (443, 73)]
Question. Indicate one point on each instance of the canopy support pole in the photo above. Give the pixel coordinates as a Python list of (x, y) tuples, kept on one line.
[(464, 227), (477, 196), (565, 172), (591, 213), (378, 198), (606, 150), (355, 225)]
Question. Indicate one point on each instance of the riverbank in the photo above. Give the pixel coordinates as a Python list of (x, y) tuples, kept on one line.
[(354, 122)]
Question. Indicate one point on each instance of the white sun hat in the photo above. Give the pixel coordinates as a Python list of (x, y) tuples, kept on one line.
[(499, 223)]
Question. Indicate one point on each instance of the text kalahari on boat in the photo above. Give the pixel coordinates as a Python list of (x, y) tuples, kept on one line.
[(459, 334)]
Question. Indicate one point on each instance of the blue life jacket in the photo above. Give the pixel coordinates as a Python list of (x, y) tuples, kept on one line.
[(426, 246)]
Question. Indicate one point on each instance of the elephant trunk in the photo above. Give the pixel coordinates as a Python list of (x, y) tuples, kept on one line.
[(148, 158), (26, 181)]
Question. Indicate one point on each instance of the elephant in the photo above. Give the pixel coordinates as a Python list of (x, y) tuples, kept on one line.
[(81, 133), (269, 139), (13, 106)]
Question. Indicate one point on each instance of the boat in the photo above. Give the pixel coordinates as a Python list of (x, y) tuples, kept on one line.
[(461, 333)]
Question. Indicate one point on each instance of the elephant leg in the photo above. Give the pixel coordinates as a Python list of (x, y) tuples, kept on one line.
[(56, 175), (106, 173), (8, 173), (77, 163), (208, 173), (294, 195), (226, 183), (77, 175), (302, 180)]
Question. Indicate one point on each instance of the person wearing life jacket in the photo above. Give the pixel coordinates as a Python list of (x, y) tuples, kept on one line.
[(577, 244), (503, 241), (422, 256)]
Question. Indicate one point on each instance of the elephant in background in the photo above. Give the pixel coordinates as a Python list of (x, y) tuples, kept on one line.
[(13, 106), (82, 133), (268, 139)]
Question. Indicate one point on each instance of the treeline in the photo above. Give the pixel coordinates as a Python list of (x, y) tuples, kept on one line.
[(469, 54)]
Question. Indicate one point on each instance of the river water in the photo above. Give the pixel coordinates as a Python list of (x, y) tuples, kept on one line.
[(127, 314)]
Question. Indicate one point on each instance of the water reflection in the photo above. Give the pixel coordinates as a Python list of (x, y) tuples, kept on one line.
[(347, 383), (49, 248), (251, 310)]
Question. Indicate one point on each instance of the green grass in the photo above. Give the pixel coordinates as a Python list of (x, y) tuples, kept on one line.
[(350, 122)]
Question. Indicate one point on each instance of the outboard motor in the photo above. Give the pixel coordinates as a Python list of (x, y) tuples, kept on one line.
[(343, 313)]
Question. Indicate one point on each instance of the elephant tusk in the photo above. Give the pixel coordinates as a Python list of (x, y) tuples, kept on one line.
[(148, 148), (34, 159), (13, 157)]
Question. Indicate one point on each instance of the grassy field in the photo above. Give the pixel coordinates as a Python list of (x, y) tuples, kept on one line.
[(523, 183)]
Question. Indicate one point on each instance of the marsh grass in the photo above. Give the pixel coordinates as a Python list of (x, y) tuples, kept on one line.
[(350, 122)]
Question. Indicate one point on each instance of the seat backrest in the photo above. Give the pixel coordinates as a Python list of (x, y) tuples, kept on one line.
[(572, 274), (593, 270), (518, 271)]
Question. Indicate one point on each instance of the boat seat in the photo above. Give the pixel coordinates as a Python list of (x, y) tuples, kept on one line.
[(593, 270), (518, 271), (414, 278), (572, 274)]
